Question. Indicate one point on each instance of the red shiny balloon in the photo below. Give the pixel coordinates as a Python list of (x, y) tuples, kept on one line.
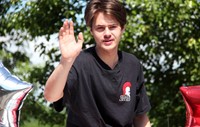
[(13, 92), (191, 96)]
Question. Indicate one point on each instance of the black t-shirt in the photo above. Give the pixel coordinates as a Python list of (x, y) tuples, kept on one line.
[(98, 96)]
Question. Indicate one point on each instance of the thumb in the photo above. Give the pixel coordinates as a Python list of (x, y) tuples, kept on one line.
[(80, 38)]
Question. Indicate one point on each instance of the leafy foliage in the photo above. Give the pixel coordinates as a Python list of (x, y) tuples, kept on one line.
[(164, 35)]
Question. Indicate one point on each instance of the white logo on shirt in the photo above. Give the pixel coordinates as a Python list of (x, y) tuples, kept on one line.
[(126, 96)]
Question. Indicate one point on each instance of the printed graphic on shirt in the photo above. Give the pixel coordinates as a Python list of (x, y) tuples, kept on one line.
[(126, 96)]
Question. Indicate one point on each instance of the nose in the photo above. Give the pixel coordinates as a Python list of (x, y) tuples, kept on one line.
[(107, 33)]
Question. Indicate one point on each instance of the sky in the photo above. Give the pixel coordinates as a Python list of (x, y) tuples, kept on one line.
[(29, 47), (36, 58)]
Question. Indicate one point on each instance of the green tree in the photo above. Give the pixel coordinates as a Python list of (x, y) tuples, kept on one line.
[(164, 35)]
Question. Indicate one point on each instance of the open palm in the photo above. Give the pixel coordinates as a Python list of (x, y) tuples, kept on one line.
[(69, 46)]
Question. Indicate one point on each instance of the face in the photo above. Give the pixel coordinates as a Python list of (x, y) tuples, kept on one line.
[(106, 31)]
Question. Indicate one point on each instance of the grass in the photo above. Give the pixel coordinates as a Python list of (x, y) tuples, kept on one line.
[(34, 123)]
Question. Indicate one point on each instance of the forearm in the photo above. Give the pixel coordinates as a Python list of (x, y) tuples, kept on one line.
[(70, 49), (141, 121), (56, 82)]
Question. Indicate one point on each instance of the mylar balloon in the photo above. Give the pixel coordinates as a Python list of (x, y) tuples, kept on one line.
[(191, 96), (13, 92)]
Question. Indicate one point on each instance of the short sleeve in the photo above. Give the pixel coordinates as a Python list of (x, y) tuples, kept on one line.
[(58, 105), (142, 100), (70, 87)]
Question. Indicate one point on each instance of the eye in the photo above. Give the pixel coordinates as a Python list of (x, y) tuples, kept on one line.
[(113, 27), (100, 28)]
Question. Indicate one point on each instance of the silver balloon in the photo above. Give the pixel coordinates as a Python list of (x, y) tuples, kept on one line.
[(13, 92)]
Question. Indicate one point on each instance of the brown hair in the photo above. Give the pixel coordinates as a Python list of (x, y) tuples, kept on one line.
[(111, 7)]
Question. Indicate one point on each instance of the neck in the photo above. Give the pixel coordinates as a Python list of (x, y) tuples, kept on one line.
[(108, 57)]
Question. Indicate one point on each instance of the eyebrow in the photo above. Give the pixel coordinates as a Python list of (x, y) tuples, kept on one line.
[(108, 25)]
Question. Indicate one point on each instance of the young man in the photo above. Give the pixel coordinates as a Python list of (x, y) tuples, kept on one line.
[(102, 86)]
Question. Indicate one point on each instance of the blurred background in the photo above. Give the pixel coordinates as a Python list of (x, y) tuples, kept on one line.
[(164, 35)]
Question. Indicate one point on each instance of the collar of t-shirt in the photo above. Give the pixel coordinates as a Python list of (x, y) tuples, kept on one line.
[(100, 61)]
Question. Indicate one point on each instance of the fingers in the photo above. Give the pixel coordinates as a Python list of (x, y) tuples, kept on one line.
[(67, 28), (80, 38), (71, 27)]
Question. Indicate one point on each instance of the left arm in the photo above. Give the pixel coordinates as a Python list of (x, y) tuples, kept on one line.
[(141, 121)]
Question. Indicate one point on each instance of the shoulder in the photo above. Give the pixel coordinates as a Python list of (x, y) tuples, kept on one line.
[(86, 53), (130, 62), (85, 56), (130, 58)]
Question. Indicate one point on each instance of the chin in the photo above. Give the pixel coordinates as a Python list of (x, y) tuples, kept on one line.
[(109, 47)]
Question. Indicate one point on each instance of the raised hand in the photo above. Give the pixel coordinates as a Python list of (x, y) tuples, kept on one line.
[(69, 46)]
